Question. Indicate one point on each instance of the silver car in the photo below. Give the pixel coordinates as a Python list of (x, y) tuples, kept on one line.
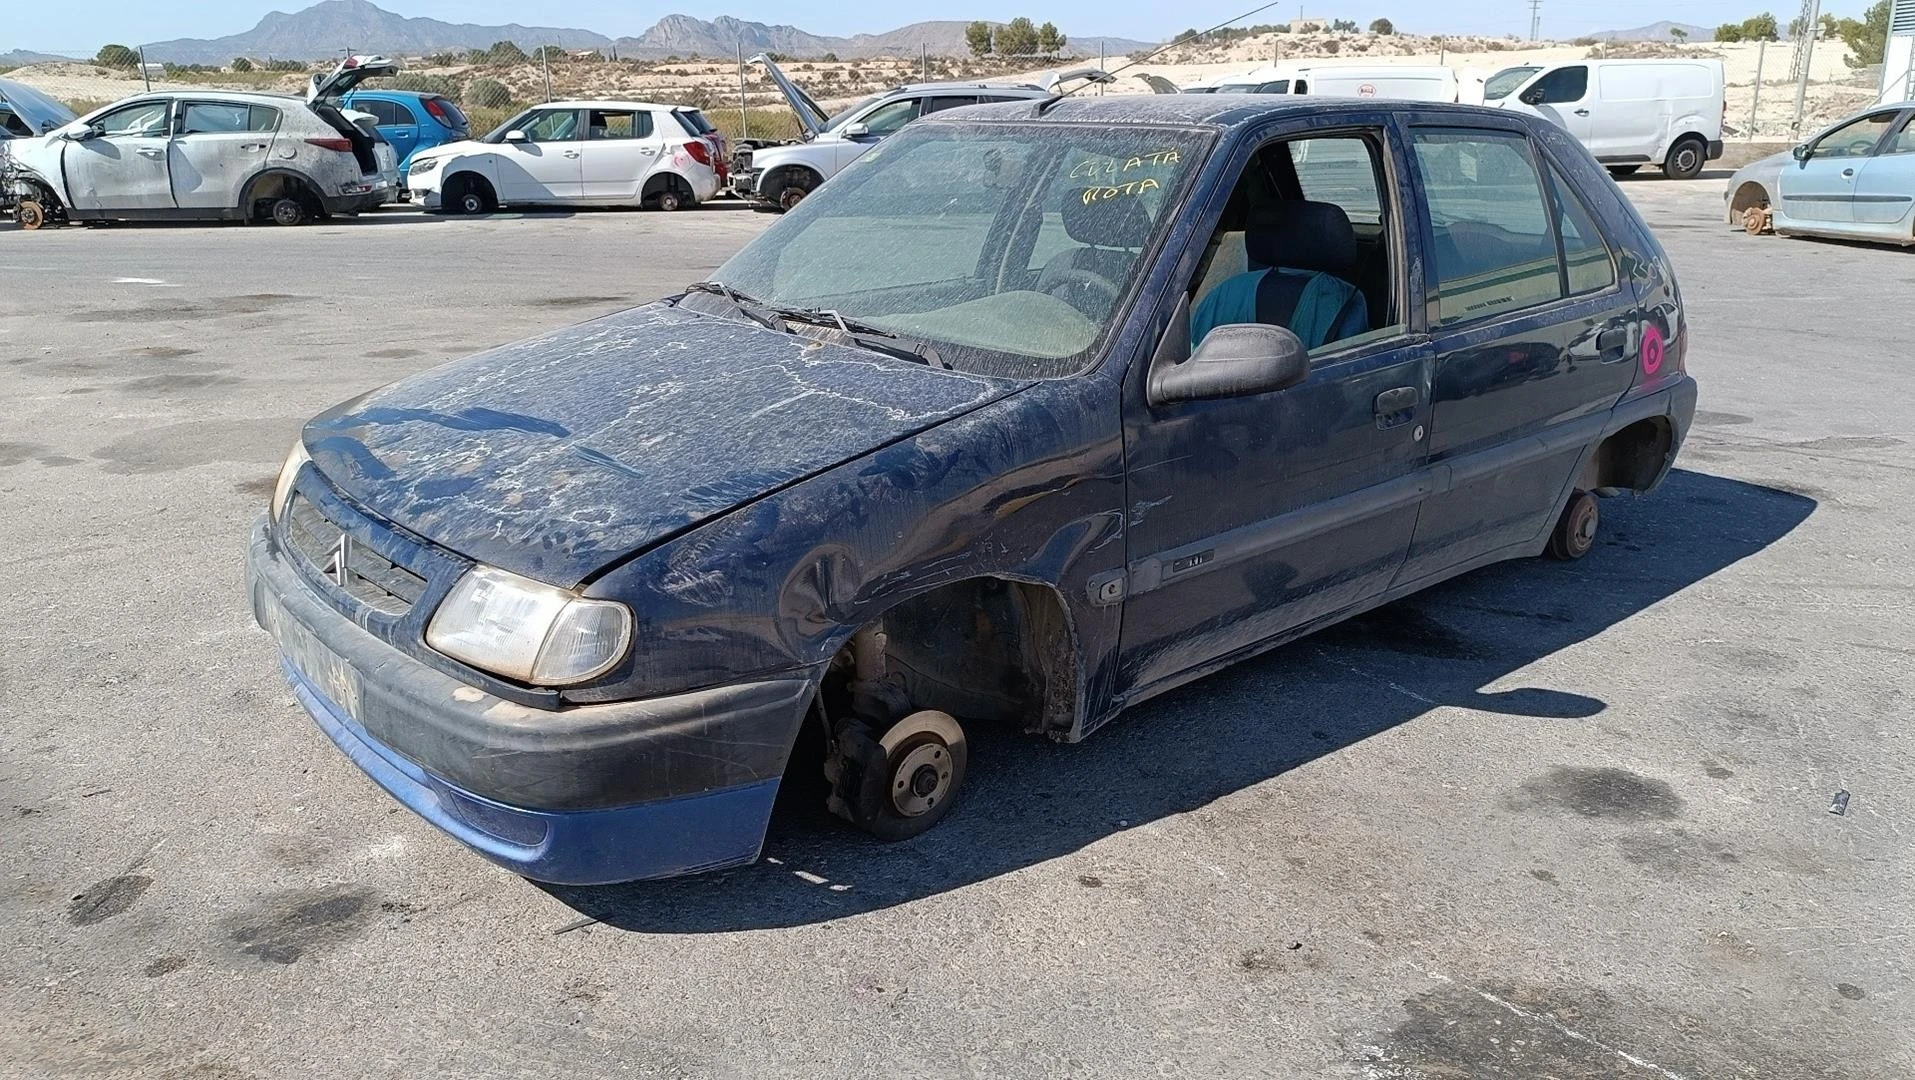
[(1853, 181), (205, 154)]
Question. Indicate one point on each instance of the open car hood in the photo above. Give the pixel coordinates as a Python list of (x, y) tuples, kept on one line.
[(38, 111), (559, 456), (350, 73), (809, 114)]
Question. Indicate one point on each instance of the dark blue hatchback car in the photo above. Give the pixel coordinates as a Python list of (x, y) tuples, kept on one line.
[(1033, 412)]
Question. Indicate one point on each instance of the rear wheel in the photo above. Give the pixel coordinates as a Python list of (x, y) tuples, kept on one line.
[(1686, 159), (668, 200), (30, 215), (288, 210), (1576, 530), (1623, 170)]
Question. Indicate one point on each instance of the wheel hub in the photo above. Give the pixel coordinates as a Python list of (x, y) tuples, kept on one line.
[(921, 779)]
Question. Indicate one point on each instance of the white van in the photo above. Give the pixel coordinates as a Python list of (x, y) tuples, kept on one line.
[(1402, 83), (1629, 113)]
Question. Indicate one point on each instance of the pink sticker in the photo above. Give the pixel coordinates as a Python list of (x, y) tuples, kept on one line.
[(1651, 349)]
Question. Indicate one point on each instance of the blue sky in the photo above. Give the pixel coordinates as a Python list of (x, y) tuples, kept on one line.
[(75, 26)]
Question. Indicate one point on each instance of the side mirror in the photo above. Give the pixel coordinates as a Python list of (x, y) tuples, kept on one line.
[(1534, 96), (515, 135), (1231, 361), (91, 131), (856, 131), (1802, 152)]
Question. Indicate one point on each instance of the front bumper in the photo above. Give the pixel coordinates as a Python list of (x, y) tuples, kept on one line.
[(583, 795)]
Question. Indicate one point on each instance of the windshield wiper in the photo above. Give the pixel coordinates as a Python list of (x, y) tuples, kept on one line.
[(750, 307), (866, 334)]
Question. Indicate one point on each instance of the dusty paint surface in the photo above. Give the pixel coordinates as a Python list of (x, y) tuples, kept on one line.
[(555, 456)]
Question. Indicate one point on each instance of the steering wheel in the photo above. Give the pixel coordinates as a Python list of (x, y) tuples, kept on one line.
[(1063, 278), (1858, 148)]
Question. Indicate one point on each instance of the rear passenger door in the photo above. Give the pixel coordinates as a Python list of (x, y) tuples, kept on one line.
[(397, 123), (1885, 183), (620, 149), (217, 147), (1533, 335)]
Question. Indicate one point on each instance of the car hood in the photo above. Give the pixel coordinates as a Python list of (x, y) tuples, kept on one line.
[(558, 456), (40, 112)]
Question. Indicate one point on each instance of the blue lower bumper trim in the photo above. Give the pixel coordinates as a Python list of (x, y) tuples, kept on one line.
[(682, 835)]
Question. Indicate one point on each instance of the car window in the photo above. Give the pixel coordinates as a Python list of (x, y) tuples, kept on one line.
[(693, 122), (995, 99), (886, 119), (1504, 83), (1903, 141), (939, 104), (207, 117), (930, 235), (619, 124), (147, 118), (1857, 138), (556, 125), (1588, 264), (1560, 87), (1341, 171), (400, 112), (1494, 248)]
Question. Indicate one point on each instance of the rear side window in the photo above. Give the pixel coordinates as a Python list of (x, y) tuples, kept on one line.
[(396, 113), (693, 122), (1559, 87), (620, 124), (939, 104), (1588, 265), (1495, 247), (217, 118)]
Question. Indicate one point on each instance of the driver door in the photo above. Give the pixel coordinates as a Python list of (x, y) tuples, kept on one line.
[(1563, 96), (884, 120), (548, 165), (125, 167), (1822, 189)]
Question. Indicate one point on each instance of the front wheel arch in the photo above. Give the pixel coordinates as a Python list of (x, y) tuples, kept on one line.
[(779, 178)]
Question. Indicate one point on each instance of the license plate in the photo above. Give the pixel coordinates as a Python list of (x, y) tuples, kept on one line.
[(330, 675)]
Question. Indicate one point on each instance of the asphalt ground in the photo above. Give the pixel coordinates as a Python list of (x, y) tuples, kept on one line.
[(1543, 821)]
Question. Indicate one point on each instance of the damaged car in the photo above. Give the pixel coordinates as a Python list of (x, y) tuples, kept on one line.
[(1155, 385), (779, 177), (211, 155)]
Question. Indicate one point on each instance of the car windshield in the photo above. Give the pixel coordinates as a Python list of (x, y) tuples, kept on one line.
[(1505, 82), (839, 117), (1008, 247)]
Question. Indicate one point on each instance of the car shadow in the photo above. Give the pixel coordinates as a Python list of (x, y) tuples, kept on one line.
[(1030, 801)]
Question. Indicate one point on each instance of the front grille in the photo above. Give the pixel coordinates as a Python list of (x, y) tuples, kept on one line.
[(364, 574)]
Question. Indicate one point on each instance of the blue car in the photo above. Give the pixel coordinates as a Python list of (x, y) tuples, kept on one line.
[(411, 121), (1033, 412)]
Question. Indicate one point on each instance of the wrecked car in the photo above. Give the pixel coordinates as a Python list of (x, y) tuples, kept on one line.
[(211, 155), (780, 176), (1157, 384), (1855, 180)]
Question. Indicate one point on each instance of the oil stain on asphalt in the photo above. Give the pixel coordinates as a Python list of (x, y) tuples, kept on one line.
[(285, 928), (1605, 793), (104, 899)]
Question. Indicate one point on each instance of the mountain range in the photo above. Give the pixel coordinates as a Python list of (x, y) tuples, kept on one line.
[(328, 27), (1658, 31)]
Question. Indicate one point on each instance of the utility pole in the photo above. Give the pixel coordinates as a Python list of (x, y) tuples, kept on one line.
[(145, 74), (1761, 52), (545, 66), (1804, 53), (1535, 19), (744, 118)]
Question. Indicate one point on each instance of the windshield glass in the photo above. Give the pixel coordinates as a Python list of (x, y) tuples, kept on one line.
[(1009, 247), (1505, 82), (844, 114)]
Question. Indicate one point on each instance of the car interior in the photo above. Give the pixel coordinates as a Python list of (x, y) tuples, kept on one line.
[(1304, 243)]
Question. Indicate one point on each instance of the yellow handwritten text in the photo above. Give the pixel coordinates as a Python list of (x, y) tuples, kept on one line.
[(1112, 167), (1135, 187)]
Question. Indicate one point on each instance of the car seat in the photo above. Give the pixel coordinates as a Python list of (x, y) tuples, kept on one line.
[(1309, 252), (1112, 230)]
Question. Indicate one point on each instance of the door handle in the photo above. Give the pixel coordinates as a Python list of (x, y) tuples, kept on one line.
[(1848, 174), (571, 153), (1582, 112), (152, 152), (1612, 343), (252, 146), (1396, 407)]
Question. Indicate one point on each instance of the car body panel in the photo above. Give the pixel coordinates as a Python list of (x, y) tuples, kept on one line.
[(31, 112), (408, 124), (756, 497)]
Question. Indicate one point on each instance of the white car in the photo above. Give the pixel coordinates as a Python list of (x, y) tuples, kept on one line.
[(204, 154), (573, 153)]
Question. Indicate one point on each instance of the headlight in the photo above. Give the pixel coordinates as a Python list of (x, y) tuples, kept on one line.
[(283, 489), (529, 631), (422, 167)]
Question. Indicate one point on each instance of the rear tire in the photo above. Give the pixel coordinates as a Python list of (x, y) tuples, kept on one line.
[(1575, 532), (288, 210), (1686, 159), (1623, 170)]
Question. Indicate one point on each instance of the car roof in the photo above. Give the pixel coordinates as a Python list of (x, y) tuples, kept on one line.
[(236, 97), (1026, 89), (374, 91), (584, 103), (1210, 110)]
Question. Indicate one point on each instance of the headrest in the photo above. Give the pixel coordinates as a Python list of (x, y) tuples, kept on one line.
[(1118, 222), (1301, 236)]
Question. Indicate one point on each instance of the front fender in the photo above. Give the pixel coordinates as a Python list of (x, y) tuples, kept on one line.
[(1029, 489)]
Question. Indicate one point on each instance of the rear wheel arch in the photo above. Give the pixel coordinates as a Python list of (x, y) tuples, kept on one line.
[(661, 182), (274, 184), (1633, 459), (1679, 164)]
